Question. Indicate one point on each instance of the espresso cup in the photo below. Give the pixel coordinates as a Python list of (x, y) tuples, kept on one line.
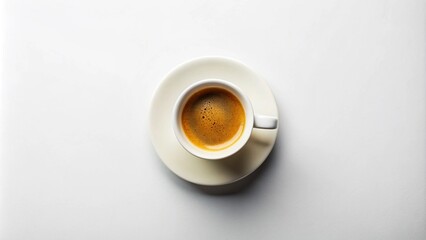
[(213, 119)]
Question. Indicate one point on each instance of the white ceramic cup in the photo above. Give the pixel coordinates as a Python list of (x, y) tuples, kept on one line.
[(252, 121)]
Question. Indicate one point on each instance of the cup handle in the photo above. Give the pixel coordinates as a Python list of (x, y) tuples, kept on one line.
[(265, 122)]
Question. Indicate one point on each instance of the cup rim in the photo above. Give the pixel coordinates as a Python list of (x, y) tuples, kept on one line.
[(202, 153)]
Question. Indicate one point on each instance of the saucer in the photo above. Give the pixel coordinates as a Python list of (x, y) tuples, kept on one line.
[(197, 170)]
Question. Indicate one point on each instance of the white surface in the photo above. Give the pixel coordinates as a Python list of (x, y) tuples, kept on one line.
[(349, 78), (255, 149)]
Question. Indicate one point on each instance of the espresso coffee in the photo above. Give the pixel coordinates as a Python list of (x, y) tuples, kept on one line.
[(213, 119)]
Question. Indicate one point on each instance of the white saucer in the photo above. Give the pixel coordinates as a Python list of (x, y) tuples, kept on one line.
[(184, 164)]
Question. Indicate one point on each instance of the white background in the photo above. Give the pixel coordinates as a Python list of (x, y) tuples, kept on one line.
[(350, 82)]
